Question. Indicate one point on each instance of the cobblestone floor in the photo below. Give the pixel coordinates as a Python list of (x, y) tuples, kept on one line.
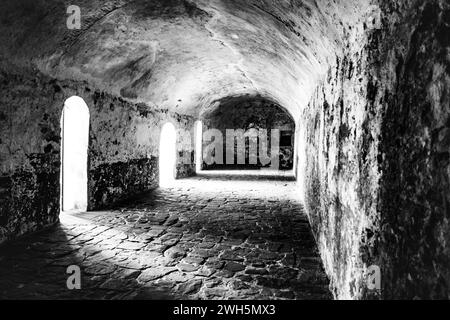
[(205, 238)]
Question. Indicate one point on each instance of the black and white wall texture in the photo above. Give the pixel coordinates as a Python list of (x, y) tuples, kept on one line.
[(107, 114)]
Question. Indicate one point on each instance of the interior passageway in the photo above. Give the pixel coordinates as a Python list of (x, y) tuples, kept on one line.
[(355, 177), (234, 237)]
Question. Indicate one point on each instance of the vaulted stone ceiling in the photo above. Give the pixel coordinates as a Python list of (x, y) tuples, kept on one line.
[(185, 55)]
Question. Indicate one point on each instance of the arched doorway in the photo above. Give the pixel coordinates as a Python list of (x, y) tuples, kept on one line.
[(257, 134), (167, 155), (198, 146), (74, 148)]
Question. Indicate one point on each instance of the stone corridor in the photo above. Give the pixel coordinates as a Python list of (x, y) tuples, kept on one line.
[(209, 237)]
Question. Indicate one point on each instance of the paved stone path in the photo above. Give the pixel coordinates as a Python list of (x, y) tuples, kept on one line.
[(244, 238)]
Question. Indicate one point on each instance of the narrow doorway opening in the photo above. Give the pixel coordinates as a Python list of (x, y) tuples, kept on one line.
[(198, 146), (74, 155), (167, 155)]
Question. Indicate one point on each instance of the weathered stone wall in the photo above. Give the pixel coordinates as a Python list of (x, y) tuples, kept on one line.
[(122, 155), (245, 113), (337, 169), (374, 155), (29, 152), (415, 149)]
